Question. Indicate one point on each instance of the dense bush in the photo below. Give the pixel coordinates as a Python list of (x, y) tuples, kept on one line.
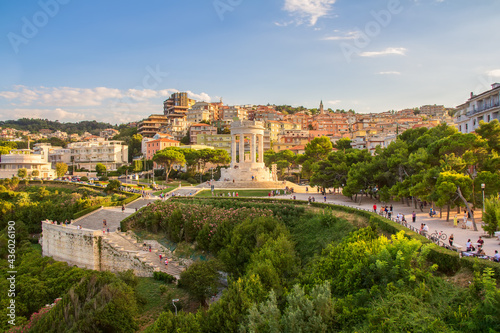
[(165, 277)]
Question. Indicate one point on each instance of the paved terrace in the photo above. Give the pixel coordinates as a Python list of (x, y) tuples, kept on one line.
[(460, 235)]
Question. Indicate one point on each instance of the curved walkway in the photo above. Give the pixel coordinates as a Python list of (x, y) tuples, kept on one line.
[(460, 235)]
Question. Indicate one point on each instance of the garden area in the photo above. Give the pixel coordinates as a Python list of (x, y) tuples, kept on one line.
[(318, 268), (269, 265), (240, 193)]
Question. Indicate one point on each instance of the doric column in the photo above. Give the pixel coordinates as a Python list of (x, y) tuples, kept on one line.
[(242, 149), (233, 150), (261, 148), (253, 149)]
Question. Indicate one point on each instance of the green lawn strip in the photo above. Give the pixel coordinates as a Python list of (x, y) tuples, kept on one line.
[(153, 301), (241, 193), (168, 189)]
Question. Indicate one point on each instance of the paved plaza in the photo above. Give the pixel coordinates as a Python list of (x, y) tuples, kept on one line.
[(460, 235)]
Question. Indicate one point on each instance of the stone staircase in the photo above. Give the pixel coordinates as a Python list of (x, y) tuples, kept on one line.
[(125, 242), (250, 185), (185, 191)]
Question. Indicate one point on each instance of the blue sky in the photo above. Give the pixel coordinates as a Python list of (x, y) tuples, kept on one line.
[(118, 60)]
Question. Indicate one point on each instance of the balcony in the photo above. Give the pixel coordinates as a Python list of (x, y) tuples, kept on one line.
[(483, 108)]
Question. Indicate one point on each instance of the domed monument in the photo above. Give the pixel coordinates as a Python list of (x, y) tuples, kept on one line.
[(247, 153)]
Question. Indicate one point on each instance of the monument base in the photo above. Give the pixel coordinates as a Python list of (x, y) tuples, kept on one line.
[(259, 174)]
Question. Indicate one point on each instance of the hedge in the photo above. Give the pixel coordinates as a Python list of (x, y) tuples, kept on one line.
[(448, 261), (131, 197), (165, 277)]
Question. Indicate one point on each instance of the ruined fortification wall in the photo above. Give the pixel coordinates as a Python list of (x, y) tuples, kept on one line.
[(89, 249)]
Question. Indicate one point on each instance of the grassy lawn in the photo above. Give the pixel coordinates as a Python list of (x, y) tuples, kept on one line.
[(168, 189), (154, 301), (170, 183), (241, 193)]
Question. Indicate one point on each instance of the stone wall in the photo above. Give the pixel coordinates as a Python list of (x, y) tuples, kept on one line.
[(87, 248)]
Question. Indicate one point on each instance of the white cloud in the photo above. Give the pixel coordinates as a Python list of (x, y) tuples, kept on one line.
[(494, 73), (334, 102), (387, 51), (310, 10), (75, 104), (346, 36), (203, 97), (389, 73)]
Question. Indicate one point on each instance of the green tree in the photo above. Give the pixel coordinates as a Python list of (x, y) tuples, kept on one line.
[(318, 148), (491, 217), (343, 144), (61, 169), (446, 189), (113, 185), (491, 133), (168, 157), (201, 279), (22, 173), (137, 165), (35, 173), (100, 168)]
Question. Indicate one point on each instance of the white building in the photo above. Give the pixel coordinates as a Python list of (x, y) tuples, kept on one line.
[(485, 107), (25, 158), (113, 154)]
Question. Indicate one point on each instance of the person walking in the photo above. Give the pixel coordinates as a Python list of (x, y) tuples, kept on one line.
[(413, 217), (166, 262), (375, 208), (455, 221), (161, 257), (450, 239)]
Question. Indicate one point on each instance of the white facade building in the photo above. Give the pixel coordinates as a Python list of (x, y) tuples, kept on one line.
[(24, 158), (113, 154), (485, 107)]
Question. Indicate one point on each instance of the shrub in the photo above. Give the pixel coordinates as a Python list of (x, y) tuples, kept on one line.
[(165, 277), (191, 180)]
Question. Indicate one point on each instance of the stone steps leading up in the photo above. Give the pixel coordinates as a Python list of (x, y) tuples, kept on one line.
[(127, 243), (250, 185)]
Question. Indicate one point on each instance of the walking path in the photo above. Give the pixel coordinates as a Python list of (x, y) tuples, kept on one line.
[(435, 223), (125, 242)]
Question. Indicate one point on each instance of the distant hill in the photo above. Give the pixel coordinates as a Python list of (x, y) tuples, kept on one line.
[(35, 125)]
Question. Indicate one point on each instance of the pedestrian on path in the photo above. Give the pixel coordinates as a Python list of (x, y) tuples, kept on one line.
[(413, 217), (455, 221), (166, 262), (465, 218), (160, 257), (149, 248), (123, 208), (450, 239), (375, 208)]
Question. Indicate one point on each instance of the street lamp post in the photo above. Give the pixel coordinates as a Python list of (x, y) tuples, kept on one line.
[(173, 302), (483, 185)]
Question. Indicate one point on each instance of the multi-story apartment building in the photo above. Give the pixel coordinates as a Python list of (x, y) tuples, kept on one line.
[(112, 154), (201, 111), (25, 158), (218, 141), (154, 146), (177, 105), (197, 129), (229, 113), (150, 126), (177, 128), (483, 107)]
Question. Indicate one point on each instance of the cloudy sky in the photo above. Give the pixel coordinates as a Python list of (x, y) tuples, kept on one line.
[(117, 61)]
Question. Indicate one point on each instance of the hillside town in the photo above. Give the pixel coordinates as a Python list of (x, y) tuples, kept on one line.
[(186, 123)]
